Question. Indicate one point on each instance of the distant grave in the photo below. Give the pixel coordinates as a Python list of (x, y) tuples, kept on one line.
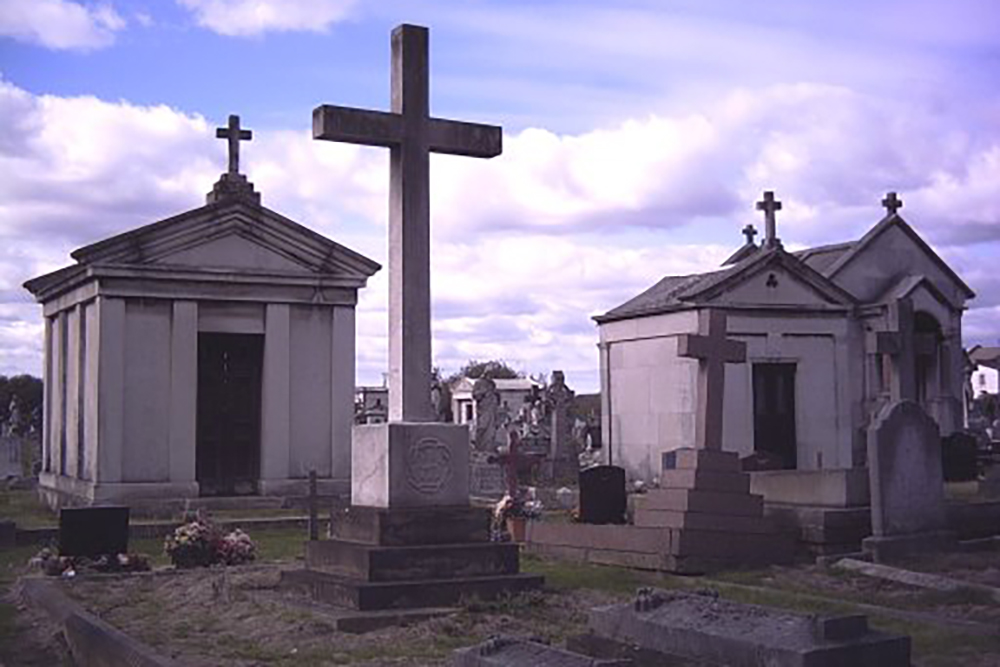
[(602, 495), (93, 531)]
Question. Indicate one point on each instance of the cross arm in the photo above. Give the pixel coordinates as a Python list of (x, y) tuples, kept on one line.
[(459, 138), (696, 346), (357, 126)]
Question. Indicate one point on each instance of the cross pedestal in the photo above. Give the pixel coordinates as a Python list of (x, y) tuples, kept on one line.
[(704, 497)]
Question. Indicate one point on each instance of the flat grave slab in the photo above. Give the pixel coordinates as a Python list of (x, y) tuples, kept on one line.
[(511, 652), (705, 627)]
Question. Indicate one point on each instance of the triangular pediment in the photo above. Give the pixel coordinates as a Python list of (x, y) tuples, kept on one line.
[(770, 278), (890, 251), (235, 236)]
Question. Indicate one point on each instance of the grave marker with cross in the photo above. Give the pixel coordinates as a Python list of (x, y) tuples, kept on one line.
[(411, 134), (235, 135), (750, 232), (713, 351), (902, 346), (769, 205), (892, 203)]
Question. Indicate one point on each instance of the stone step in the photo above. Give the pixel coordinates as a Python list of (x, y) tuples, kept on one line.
[(702, 521), (367, 596), (411, 527), (375, 563), (703, 459), (706, 480), (693, 500), (777, 547)]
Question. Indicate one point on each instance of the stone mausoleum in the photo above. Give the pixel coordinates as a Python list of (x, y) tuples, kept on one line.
[(830, 334), (207, 354)]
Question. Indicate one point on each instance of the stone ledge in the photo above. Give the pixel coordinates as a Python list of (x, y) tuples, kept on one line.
[(91, 640)]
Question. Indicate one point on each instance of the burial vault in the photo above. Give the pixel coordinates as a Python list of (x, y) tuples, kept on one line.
[(832, 334), (210, 353)]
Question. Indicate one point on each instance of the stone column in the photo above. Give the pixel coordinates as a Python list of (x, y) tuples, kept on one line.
[(342, 392), (48, 393), (58, 391), (605, 363), (111, 418), (276, 394), (183, 390), (71, 377)]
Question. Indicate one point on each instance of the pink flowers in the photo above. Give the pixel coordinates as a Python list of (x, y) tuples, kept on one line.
[(201, 543)]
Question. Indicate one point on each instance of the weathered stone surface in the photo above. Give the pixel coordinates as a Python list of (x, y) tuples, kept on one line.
[(687, 458), (706, 480), (512, 652), (702, 521), (739, 635), (410, 465), (907, 484), (415, 526), (829, 488), (682, 500), (375, 563)]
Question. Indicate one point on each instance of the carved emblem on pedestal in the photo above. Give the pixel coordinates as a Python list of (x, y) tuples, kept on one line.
[(428, 465)]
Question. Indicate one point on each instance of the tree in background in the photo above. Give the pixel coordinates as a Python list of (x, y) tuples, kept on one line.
[(28, 390), (495, 369)]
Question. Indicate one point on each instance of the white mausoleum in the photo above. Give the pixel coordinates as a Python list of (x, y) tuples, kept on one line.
[(831, 335), (211, 353)]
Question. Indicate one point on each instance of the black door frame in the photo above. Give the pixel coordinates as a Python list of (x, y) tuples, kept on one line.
[(780, 439)]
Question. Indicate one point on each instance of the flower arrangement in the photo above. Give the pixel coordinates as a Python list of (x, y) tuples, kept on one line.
[(200, 543), (55, 565), (511, 507)]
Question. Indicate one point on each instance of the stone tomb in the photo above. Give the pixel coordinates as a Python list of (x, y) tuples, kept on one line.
[(907, 484), (513, 652), (720, 632)]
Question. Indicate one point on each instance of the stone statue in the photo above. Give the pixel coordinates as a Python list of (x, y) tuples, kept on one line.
[(563, 452), (487, 398)]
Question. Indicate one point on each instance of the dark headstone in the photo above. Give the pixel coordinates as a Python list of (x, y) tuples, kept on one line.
[(93, 531), (8, 534), (602, 495), (958, 457)]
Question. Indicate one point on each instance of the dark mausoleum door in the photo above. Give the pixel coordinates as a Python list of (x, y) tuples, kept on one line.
[(774, 415), (229, 391)]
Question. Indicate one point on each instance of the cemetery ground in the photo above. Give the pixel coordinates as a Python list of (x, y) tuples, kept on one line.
[(236, 616)]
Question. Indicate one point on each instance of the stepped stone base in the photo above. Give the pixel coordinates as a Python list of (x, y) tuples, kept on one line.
[(823, 531), (379, 558)]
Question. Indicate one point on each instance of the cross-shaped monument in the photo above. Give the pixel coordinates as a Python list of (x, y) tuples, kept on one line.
[(411, 134), (235, 135), (750, 232), (902, 346), (714, 351), (769, 205), (892, 203)]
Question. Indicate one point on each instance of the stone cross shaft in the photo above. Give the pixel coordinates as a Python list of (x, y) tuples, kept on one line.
[(769, 205), (714, 351), (902, 346), (892, 203), (411, 134), (234, 134)]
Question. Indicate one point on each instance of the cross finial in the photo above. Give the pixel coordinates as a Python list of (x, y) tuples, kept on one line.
[(769, 205), (892, 203), (234, 134), (750, 232)]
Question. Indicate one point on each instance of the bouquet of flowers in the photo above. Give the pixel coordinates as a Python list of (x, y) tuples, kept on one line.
[(512, 507), (200, 543)]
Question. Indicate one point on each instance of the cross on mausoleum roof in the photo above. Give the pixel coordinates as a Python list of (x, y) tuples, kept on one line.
[(234, 134), (769, 205), (750, 232), (892, 203), (714, 351), (411, 134)]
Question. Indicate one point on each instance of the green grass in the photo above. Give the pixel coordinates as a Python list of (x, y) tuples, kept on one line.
[(563, 575), (24, 508)]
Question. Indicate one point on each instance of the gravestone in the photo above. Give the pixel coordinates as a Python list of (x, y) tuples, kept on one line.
[(93, 531), (514, 652), (487, 479), (563, 463), (487, 399), (959, 452), (906, 482), (602, 495), (674, 624)]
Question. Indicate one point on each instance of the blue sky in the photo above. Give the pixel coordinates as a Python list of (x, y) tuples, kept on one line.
[(638, 134)]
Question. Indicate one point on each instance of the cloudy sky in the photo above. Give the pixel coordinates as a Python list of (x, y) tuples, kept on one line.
[(638, 134)]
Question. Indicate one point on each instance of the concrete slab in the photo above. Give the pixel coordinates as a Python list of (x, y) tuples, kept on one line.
[(512, 652)]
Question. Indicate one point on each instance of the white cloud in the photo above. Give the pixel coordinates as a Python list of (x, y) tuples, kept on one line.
[(241, 18), (60, 24), (528, 246)]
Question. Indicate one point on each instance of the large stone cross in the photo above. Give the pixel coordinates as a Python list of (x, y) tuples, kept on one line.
[(892, 203), (714, 351), (234, 134), (769, 205), (411, 134), (902, 346)]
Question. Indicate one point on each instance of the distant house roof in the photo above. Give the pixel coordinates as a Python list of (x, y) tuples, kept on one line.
[(464, 384), (985, 356)]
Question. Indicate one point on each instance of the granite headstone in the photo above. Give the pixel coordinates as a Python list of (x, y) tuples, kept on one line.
[(93, 531), (602, 495)]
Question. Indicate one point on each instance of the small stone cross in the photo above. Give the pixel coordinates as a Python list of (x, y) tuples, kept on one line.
[(714, 351), (769, 205), (750, 232), (892, 203), (411, 134), (234, 134)]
